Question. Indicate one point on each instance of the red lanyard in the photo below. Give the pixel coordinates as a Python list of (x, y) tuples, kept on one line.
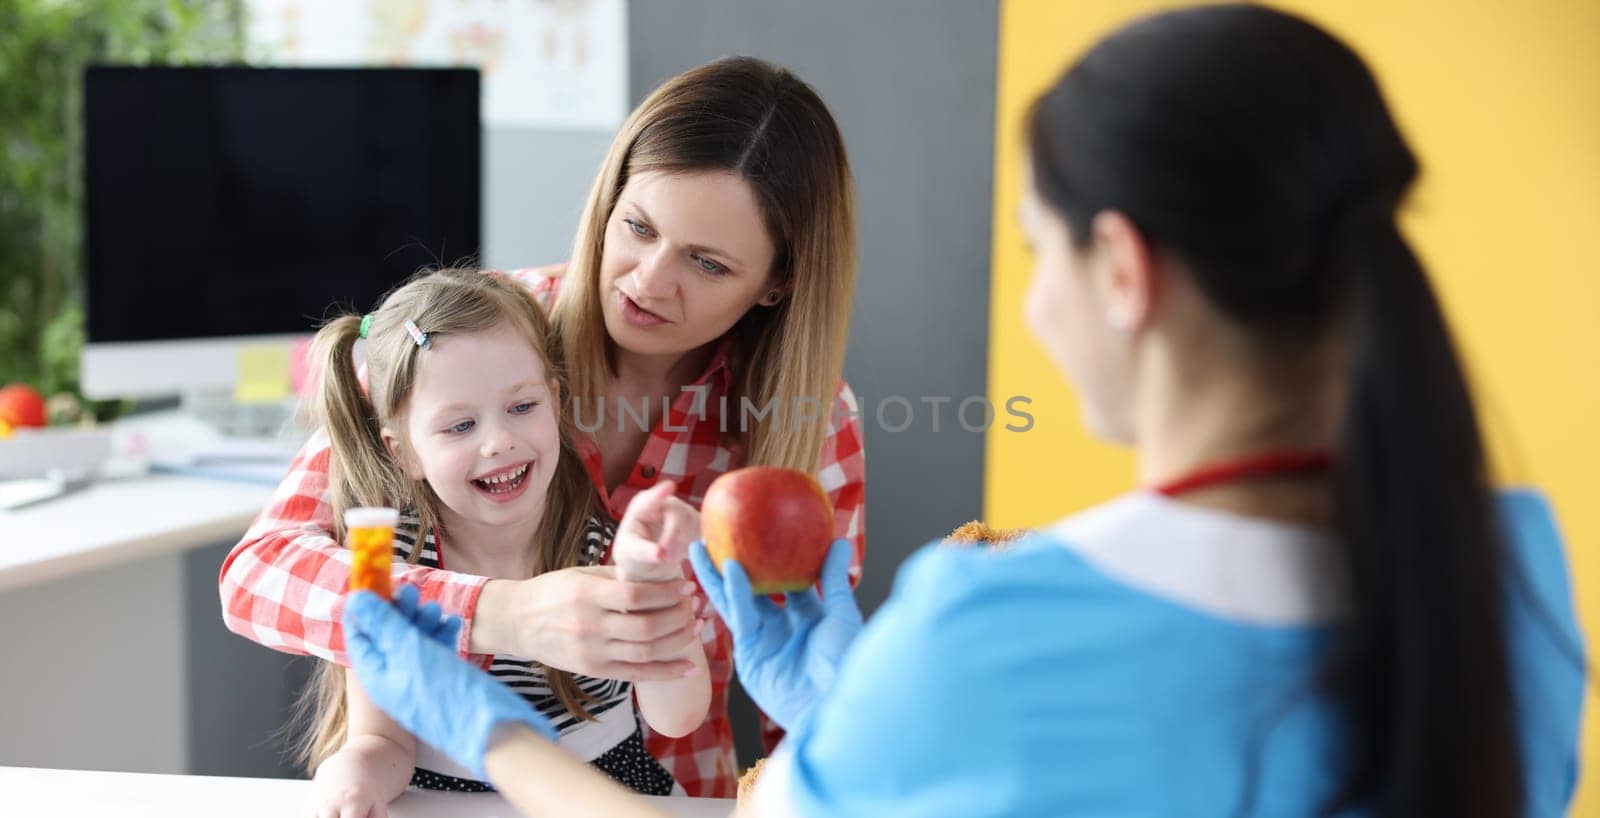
[(1266, 464)]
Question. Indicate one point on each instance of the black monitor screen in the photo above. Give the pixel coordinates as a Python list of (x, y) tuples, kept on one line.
[(244, 201)]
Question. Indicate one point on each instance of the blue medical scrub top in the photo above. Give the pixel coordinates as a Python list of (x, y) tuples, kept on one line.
[(1146, 658)]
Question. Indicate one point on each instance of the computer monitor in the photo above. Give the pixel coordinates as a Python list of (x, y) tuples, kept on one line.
[(228, 207)]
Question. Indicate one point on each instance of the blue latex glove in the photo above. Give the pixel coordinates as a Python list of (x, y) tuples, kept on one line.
[(405, 659), (786, 657)]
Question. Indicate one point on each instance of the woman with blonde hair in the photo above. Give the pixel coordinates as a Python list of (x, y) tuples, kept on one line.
[(702, 323)]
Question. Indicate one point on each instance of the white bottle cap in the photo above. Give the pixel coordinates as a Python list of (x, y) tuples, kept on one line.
[(371, 518)]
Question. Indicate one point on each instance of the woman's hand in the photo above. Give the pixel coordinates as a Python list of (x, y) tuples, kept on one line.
[(590, 621), (653, 538), (632, 623), (786, 657)]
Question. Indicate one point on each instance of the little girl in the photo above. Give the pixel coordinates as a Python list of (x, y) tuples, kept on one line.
[(461, 425)]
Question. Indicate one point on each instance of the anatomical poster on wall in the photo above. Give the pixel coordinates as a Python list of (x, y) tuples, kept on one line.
[(545, 63)]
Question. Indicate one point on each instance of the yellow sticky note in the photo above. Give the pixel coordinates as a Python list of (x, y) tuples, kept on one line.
[(262, 375)]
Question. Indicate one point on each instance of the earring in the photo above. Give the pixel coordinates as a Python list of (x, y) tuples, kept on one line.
[(772, 298)]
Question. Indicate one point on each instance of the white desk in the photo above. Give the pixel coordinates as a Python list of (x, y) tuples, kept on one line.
[(96, 585), (43, 792), (119, 521)]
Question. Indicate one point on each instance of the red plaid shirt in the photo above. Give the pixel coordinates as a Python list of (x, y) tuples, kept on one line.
[(283, 585)]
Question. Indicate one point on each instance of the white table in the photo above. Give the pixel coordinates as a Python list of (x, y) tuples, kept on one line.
[(99, 577), (120, 521), (43, 793)]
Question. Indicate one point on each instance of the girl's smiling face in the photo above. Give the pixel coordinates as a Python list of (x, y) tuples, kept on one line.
[(481, 428)]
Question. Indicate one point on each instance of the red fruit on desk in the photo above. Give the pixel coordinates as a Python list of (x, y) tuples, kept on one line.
[(21, 406), (777, 523)]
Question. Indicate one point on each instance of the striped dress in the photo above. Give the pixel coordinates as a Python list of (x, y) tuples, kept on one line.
[(613, 741)]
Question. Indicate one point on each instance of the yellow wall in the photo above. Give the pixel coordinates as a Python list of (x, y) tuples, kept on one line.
[(1502, 102)]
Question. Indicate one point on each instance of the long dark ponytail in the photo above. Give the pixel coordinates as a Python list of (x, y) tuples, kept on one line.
[(1258, 148)]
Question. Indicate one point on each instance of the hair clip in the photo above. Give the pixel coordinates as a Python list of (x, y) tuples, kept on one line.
[(366, 324), (417, 335)]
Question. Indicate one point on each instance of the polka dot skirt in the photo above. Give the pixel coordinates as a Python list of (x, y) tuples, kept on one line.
[(628, 763), (633, 767), (430, 780)]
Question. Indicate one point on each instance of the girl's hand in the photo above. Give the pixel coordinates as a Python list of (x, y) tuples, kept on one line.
[(348, 786), (653, 538)]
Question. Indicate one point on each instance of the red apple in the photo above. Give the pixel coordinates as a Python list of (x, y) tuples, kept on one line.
[(777, 523), (20, 406)]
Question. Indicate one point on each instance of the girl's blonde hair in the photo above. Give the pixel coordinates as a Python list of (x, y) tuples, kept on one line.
[(761, 122), (362, 472)]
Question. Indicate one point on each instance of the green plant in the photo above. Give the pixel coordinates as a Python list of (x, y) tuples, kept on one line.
[(44, 47)]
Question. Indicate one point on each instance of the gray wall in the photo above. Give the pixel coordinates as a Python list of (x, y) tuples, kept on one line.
[(534, 184), (241, 695), (912, 85)]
